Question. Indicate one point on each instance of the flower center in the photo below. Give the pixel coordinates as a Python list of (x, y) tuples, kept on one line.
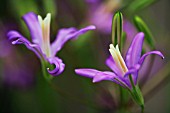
[(45, 26), (118, 59)]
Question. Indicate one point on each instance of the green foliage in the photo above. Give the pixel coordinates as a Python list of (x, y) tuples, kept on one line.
[(142, 27), (137, 5), (50, 7)]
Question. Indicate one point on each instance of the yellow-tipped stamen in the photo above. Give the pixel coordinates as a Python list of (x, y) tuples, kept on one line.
[(45, 26), (118, 59)]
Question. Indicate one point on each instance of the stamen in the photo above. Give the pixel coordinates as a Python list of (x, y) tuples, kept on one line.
[(118, 58), (45, 26)]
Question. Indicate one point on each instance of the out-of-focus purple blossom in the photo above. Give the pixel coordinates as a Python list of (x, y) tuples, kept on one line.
[(40, 33), (13, 73), (16, 75), (92, 1), (129, 29), (100, 13), (121, 69), (4, 46)]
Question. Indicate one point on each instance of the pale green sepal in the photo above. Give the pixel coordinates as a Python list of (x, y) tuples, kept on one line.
[(137, 96)]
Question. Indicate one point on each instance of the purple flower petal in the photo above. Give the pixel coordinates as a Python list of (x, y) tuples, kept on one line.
[(134, 72), (149, 53), (98, 76), (111, 64), (66, 34), (95, 74), (103, 76), (90, 73), (134, 52), (106, 75), (59, 66), (34, 27), (92, 1), (17, 38)]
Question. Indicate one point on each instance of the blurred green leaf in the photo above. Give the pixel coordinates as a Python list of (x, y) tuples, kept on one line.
[(20, 7), (117, 28), (142, 27), (50, 6), (137, 5)]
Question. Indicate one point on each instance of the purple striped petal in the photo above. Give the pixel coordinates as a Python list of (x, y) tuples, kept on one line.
[(111, 64), (98, 76), (149, 53), (17, 38), (59, 66), (90, 73), (34, 27), (134, 52), (95, 74), (66, 34), (106, 75)]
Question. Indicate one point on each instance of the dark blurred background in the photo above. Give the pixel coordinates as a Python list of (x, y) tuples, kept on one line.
[(22, 86)]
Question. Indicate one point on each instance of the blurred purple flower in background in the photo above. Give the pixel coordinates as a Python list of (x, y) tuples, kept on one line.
[(121, 69), (129, 29), (100, 13), (15, 75), (40, 34)]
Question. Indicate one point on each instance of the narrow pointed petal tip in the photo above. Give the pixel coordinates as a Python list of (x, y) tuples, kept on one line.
[(97, 79), (92, 27), (149, 53)]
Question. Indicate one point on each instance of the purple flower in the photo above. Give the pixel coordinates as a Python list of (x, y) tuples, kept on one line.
[(13, 74), (16, 75), (40, 34), (100, 13), (121, 68)]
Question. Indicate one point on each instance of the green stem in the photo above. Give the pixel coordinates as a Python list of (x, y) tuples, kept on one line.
[(132, 83), (136, 94), (61, 92), (142, 108), (44, 71)]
